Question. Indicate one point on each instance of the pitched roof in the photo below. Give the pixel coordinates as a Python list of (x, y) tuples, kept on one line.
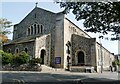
[(22, 40)]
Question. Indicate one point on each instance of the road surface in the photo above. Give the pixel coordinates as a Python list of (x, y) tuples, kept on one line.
[(31, 77)]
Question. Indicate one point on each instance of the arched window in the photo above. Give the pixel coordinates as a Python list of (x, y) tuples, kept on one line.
[(35, 28), (35, 15), (41, 29), (9, 50), (38, 26), (17, 50), (26, 50), (28, 31), (31, 30)]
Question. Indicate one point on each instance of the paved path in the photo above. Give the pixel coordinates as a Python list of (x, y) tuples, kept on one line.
[(56, 76)]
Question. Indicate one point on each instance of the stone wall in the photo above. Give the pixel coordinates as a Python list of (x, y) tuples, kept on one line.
[(10, 47), (104, 55), (83, 44), (22, 67), (43, 43), (21, 47)]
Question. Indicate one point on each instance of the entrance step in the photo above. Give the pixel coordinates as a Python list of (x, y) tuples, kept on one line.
[(46, 68), (82, 69)]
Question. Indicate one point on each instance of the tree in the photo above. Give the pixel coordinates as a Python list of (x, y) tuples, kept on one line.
[(102, 17), (4, 38), (4, 25)]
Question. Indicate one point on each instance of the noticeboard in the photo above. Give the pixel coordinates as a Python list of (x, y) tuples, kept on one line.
[(58, 60)]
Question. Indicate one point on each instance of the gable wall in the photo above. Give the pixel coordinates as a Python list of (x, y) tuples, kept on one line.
[(45, 18)]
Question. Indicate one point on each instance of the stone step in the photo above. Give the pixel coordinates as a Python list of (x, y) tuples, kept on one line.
[(46, 68)]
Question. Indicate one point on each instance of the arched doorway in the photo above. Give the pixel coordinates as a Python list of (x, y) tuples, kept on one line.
[(80, 58), (43, 52)]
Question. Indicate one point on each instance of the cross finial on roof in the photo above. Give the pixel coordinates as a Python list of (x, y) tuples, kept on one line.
[(36, 4)]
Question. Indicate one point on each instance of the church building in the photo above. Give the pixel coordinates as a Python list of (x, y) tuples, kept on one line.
[(57, 41)]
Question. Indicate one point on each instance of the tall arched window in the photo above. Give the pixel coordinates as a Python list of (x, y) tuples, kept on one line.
[(41, 29), (31, 30), (28, 31), (35, 15), (35, 28), (38, 26), (26, 50), (9, 50), (17, 50)]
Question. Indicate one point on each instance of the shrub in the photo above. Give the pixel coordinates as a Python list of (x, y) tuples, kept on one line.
[(21, 58), (35, 60), (6, 57), (116, 62)]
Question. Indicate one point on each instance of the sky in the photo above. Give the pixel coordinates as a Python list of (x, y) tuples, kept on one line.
[(16, 11)]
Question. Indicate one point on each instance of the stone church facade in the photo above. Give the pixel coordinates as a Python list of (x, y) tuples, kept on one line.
[(57, 40)]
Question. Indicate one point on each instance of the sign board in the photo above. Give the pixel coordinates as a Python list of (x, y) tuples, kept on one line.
[(58, 60)]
